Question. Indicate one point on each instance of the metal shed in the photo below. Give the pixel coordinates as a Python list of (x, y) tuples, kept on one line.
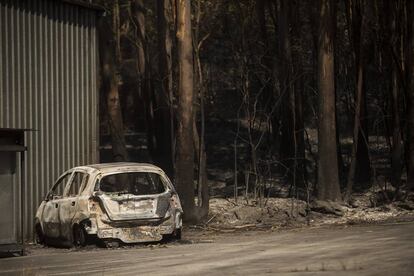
[(12, 149), (48, 82)]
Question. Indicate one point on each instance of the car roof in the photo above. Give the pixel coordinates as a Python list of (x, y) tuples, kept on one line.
[(119, 166)]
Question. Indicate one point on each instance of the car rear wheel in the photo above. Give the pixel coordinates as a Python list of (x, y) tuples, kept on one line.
[(79, 236), (40, 237), (177, 234)]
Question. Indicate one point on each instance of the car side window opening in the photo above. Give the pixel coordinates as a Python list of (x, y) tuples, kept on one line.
[(78, 182), (59, 187), (136, 183)]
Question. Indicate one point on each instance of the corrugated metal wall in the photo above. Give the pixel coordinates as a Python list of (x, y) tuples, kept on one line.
[(48, 82)]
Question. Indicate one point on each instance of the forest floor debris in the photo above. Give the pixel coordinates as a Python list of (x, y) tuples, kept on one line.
[(277, 213)]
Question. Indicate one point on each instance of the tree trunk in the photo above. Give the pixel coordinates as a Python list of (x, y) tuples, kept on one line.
[(328, 182), (410, 95), (185, 147), (144, 93), (363, 162), (356, 20), (201, 155), (109, 57), (268, 98), (287, 145), (396, 150), (299, 87), (203, 197), (396, 153), (165, 114)]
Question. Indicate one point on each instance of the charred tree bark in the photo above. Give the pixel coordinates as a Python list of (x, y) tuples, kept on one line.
[(410, 95), (165, 113), (287, 145), (299, 87), (357, 26), (328, 182), (268, 98), (356, 20), (185, 147), (109, 57), (203, 196), (144, 92), (396, 150)]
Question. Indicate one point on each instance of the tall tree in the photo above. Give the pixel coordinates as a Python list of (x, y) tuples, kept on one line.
[(185, 148), (359, 156), (110, 59), (287, 146), (410, 95), (299, 86), (144, 91), (199, 136), (394, 13), (165, 113), (328, 180)]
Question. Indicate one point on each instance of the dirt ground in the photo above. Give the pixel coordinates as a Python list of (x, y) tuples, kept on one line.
[(375, 249)]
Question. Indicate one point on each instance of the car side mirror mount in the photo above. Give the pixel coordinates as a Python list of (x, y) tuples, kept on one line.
[(49, 197)]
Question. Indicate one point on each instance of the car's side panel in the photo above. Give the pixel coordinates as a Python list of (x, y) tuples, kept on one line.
[(50, 219), (70, 204)]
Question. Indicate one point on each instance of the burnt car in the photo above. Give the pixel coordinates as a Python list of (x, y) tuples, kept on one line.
[(114, 202)]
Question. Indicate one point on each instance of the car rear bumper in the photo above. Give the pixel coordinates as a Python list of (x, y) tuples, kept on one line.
[(130, 232)]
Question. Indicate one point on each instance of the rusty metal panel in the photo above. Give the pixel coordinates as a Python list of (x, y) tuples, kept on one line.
[(48, 82)]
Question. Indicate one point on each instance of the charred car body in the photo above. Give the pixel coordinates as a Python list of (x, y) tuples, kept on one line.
[(127, 202)]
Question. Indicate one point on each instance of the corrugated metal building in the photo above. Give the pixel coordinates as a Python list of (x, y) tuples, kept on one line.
[(48, 83)]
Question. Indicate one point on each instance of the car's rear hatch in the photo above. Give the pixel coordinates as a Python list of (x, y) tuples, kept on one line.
[(134, 195), (132, 207)]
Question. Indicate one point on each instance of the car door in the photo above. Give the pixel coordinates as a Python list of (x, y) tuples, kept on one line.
[(70, 203), (50, 216)]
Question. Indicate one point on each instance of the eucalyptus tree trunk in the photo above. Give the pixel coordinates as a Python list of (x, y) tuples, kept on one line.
[(287, 144), (410, 95), (356, 20), (165, 114), (203, 196), (395, 96), (109, 58), (328, 180), (144, 92), (184, 175)]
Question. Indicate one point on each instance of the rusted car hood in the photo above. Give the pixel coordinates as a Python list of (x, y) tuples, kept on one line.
[(132, 207)]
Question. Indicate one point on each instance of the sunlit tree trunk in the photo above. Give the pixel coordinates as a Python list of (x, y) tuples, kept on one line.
[(185, 147), (328, 182)]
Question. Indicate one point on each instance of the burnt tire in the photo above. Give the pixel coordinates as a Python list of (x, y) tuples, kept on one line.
[(174, 236), (80, 237), (40, 237)]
